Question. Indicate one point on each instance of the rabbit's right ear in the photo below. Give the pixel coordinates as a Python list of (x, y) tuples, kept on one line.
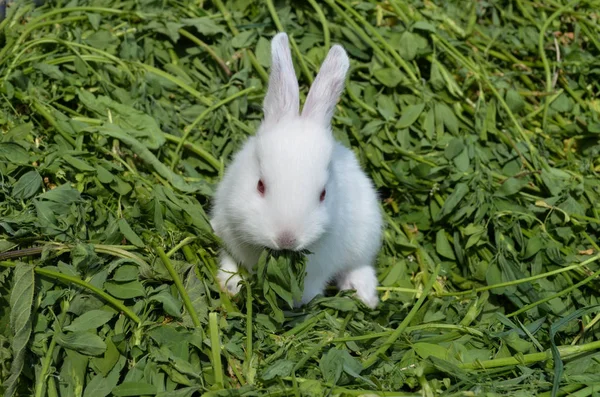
[(282, 98)]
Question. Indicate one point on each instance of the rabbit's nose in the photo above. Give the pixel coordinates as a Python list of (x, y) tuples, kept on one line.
[(286, 240)]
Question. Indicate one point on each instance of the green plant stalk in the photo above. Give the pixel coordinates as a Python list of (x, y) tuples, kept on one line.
[(70, 279), (35, 23), (403, 64), (544, 58), (398, 289), (248, 361), (524, 280), (374, 357), (280, 28), (187, 130), (557, 295), (180, 245), (41, 109), (361, 33), (587, 327), (324, 22), (304, 325), (215, 348), (355, 98), (568, 389), (310, 354), (204, 154), (177, 81), (227, 15), (120, 251), (208, 49), (565, 352), (69, 45), (300, 57), (460, 328), (47, 361), (16, 16), (481, 75), (354, 392), (182, 292)]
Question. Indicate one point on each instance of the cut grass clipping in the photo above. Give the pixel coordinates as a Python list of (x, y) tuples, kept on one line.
[(479, 122)]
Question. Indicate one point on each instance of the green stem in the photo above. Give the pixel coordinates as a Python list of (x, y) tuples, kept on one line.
[(180, 245), (324, 22), (385, 43), (45, 113), (557, 295), (565, 351), (204, 154), (361, 33), (542, 54), (39, 387), (215, 347), (70, 279), (304, 325), (280, 28), (208, 49), (373, 358), (182, 292), (248, 362), (177, 81), (253, 60), (187, 130), (524, 280)]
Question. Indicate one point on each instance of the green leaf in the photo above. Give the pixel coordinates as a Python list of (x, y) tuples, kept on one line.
[(453, 200), (388, 76), (130, 290), (82, 342), (78, 164), (514, 101), (442, 245), (204, 25), (134, 389), (90, 320), (512, 186), (454, 148), (100, 386), (51, 71), (171, 305), (424, 350), (410, 114), (445, 115), (242, 40), (21, 301), (126, 273), (27, 186), (129, 234), (278, 369)]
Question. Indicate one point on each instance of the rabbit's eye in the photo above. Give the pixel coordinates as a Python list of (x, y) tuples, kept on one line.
[(323, 193), (261, 187)]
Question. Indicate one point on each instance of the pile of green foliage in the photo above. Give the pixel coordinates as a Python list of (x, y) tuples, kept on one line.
[(478, 121)]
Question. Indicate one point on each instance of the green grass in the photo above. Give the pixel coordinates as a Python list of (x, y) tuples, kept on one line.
[(479, 123)]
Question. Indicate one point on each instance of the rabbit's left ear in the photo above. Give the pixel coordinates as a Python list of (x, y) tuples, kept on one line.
[(283, 98), (327, 87)]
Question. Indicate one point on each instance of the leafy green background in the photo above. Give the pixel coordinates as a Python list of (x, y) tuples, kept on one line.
[(478, 122)]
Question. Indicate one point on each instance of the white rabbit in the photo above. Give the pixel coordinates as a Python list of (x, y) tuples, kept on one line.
[(292, 186)]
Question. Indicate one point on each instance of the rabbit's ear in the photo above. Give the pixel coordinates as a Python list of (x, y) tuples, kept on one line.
[(282, 98), (327, 87)]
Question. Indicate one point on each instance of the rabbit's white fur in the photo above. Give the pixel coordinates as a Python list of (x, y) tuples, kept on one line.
[(296, 157)]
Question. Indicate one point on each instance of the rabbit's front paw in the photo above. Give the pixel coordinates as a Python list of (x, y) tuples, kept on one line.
[(364, 280)]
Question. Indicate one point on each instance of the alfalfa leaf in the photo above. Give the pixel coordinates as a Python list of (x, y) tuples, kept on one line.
[(21, 301), (83, 342), (410, 114), (27, 185)]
